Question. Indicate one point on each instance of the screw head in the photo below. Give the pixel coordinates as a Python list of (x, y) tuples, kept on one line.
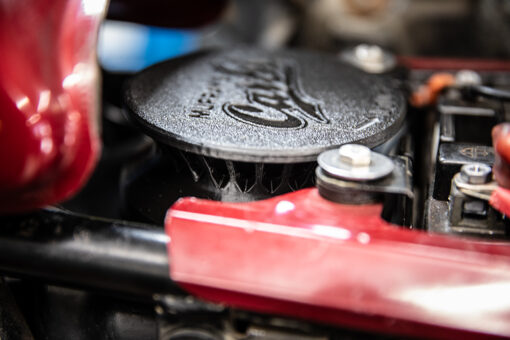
[(355, 155), (476, 173)]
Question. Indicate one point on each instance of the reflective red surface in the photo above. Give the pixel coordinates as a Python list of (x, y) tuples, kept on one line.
[(48, 99), (304, 256), (501, 143), (500, 198)]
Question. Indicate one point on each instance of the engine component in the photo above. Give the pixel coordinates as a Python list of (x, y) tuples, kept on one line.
[(451, 158), (256, 106), (462, 190), (355, 175), (468, 207), (248, 124)]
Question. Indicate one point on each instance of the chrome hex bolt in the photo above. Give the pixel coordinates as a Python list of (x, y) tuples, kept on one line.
[(355, 155), (476, 173), (355, 162)]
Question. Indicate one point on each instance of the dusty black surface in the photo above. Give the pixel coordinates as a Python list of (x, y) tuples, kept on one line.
[(252, 105)]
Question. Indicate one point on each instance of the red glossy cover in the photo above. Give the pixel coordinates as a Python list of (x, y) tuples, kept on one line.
[(48, 98), (304, 256)]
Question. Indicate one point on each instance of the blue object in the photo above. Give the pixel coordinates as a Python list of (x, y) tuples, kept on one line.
[(128, 47)]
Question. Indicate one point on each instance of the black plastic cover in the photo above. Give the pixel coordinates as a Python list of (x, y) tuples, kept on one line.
[(254, 105)]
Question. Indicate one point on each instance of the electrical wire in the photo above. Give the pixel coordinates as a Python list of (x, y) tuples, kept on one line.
[(490, 92)]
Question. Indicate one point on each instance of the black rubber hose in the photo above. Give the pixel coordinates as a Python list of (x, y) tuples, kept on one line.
[(490, 92), (62, 247)]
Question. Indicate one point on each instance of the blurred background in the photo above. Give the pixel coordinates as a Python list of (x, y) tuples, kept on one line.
[(447, 28)]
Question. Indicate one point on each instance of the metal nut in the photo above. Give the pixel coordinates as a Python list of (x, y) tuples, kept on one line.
[(355, 155), (476, 173)]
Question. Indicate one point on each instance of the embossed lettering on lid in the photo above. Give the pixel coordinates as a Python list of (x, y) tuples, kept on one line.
[(260, 106)]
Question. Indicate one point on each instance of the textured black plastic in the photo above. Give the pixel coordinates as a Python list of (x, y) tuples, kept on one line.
[(254, 105)]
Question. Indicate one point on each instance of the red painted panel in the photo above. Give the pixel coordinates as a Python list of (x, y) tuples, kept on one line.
[(304, 256)]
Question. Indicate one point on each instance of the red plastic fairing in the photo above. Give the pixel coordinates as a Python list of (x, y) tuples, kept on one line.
[(48, 99), (301, 255)]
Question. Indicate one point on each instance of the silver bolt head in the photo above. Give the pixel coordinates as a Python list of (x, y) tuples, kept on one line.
[(467, 78), (476, 173), (355, 155), (333, 164)]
